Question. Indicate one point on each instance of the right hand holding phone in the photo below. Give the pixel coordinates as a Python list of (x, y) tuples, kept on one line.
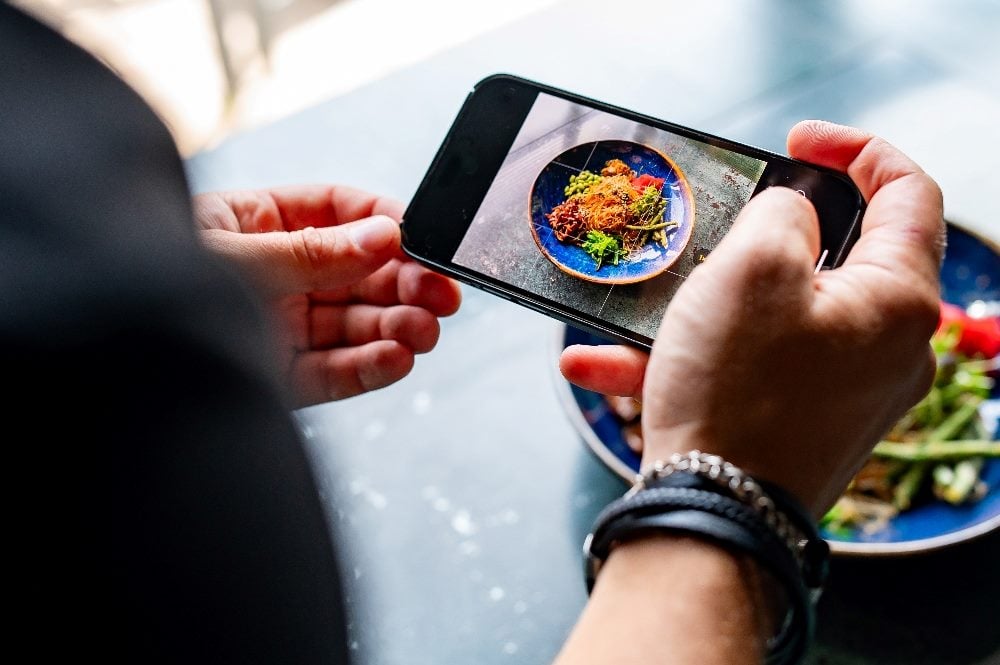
[(792, 375)]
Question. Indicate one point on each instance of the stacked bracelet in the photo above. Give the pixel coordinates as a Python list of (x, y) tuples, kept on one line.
[(705, 496)]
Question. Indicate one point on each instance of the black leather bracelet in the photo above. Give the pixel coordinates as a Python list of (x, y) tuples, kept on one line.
[(795, 631), (625, 516), (657, 500), (779, 509), (701, 506), (816, 552), (815, 555)]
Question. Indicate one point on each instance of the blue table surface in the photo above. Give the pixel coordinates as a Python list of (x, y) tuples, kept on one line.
[(461, 495)]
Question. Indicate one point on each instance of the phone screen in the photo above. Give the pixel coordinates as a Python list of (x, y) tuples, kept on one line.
[(603, 214)]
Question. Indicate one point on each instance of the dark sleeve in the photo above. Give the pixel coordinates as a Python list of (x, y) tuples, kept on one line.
[(161, 507)]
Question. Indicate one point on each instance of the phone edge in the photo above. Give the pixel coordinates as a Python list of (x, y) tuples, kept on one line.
[(609, 335)]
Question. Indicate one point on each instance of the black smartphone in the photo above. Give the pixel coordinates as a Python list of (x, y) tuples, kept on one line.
[(594, 214)]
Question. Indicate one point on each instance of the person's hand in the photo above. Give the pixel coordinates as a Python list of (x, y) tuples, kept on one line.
[(792, 375), (352, 308)]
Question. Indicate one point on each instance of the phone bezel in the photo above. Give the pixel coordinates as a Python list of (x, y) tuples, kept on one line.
[(450, 194)]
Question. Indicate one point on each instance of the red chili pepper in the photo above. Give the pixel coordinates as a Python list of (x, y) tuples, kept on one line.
[(640, 183), (977, 336)]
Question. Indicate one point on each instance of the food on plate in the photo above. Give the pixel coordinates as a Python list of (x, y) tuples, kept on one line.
[(629, 413), (935, 452), (938, 448), (612, 215), (977, 336)]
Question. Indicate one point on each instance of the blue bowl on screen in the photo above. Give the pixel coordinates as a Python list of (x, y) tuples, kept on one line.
[(970, 273), (654, 258)]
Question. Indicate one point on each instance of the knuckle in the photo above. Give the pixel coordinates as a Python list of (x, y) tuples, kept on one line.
[(877, 144), (933, 236), (932, 187), (413, 327), (384, 363), (312, 249)]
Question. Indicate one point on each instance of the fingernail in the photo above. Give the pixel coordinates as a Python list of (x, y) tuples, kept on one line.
[(374, 233)]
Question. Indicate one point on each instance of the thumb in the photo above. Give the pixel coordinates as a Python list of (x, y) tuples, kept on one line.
[(774, 239), (310, 259), (764, 265)]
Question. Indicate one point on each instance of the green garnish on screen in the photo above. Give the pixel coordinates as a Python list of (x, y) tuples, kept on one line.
[(602, 246)]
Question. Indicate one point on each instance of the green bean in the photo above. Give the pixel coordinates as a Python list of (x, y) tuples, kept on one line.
[(957, 421), (651, 227), (937, 451), (908, 485)]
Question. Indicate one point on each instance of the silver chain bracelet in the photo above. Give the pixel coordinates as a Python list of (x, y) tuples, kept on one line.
[(744, 489)]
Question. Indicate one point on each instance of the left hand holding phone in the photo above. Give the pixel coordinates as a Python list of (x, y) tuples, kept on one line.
[(352, 310), (791, 375)]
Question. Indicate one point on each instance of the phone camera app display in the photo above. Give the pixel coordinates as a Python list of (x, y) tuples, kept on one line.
[(625, 222), (605, 215)]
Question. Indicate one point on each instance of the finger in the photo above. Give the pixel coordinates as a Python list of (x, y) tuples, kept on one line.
[(422, 287), (831, 145), (212, 211), (310, 259), (401, 281), (320, 376), (903, 233), (905, 204), (355, 325), (611, 370), (351, 203), (774, 241), (290, 208), (871, 162)]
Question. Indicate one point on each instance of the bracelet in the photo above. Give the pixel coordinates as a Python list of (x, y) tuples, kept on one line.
[(704, 496), (720, 519), (730, 477), (623, 517), (778, 509)]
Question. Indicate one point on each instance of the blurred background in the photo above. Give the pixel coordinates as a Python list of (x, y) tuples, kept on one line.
[(922, 75), (215, 67)]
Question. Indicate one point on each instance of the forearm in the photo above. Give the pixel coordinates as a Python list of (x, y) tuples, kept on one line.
[(672, 599)]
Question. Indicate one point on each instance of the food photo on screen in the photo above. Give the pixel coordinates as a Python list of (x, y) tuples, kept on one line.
[(605, 215)]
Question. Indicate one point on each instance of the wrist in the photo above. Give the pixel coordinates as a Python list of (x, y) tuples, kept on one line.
[(704, 496), (698, 572), (763, 462), (671, 598)]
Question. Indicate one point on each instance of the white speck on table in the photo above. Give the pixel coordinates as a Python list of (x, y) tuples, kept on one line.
[(421, 402), (374, 430), (462, 523)]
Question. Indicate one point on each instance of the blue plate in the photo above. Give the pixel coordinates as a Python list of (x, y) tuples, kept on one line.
[(548, 192), (970, 273)]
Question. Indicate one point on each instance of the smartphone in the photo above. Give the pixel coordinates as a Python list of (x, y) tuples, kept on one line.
[(594, 214)]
